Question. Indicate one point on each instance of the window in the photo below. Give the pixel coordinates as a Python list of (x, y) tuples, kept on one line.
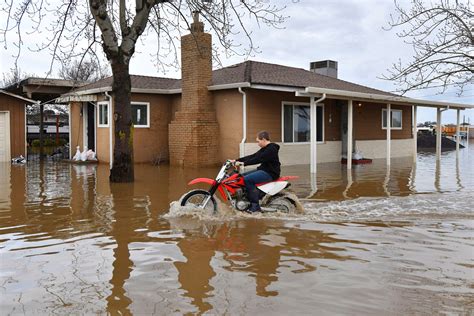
[(103, 114), (296, 123), (396, 119), (141, 114)]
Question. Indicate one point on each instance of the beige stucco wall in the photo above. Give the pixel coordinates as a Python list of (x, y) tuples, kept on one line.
[(228, 105), (375, 149), (76, 127), (151, 143), (299, 154), (368, 122)]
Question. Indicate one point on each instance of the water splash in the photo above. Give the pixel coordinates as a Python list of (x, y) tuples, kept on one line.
[(433, 205)]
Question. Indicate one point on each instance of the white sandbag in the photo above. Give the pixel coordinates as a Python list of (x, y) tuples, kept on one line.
[(77, 156), (357, 155), (84, 154), (91, 155)]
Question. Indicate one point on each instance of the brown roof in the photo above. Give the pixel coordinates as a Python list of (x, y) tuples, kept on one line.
[(138, 82), (278, 75), (252, 72)]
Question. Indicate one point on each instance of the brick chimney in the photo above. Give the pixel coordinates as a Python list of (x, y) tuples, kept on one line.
[(193, 134)]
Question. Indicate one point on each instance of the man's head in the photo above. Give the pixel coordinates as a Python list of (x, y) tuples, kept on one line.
[(263, 139)]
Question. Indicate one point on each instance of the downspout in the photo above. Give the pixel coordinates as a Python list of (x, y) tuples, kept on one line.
[(244, 122), (111, 154)]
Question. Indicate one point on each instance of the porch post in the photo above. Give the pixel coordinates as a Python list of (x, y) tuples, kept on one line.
[(438, 133), (458, 127), (415, 133), (349, 134), (313, 138), (389, 132)]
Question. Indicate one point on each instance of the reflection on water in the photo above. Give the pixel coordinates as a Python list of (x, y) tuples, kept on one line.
[(374, 240)]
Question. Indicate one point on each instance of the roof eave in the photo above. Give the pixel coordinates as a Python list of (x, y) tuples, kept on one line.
[(344, 94), (18, 96)]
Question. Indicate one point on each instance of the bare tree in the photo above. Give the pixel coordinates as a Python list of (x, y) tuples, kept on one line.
[(14, 76), (74, 32), (85, 71), (442, 35)]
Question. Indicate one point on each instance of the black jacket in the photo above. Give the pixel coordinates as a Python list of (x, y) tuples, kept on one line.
[(267, 157)]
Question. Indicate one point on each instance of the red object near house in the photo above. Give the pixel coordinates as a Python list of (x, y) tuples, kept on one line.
[(363, 161)]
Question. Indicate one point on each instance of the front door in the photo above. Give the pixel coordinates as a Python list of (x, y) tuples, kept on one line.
[(91, 126), (88, 111), (5, 136)]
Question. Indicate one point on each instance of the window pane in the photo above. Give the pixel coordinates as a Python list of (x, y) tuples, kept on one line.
[(301, 124), (139, 114), (397, 119), (319, 132), (384, 118), (288, 123), (103, 114)]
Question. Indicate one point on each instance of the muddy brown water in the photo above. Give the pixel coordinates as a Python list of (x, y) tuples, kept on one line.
[(373, 241)]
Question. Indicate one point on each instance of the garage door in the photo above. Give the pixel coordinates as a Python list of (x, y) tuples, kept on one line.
[(4, 136)]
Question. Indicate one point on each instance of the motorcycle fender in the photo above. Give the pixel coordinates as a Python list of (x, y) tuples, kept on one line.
[(208, 181), (273, 188), (202, 180)]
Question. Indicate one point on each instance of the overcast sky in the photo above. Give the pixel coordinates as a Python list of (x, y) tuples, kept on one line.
[(348, 31)]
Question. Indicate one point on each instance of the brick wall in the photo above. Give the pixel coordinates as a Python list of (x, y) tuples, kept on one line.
[(194, 131)]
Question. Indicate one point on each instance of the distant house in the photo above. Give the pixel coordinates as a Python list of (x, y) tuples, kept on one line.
[(12, 125), (54, 122), (209, 116)]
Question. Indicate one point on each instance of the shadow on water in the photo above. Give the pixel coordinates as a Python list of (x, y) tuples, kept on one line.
[(371, 238)]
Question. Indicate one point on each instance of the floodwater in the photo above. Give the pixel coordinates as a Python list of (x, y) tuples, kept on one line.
[(374, 241)]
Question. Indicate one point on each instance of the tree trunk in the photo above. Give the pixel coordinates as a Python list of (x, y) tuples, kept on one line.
[(122, 168)]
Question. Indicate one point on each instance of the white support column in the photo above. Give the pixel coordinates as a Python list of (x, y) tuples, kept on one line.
[(349, 134), (458, 128), (313, 137), (389, 132), (438, 133), (415, 133)]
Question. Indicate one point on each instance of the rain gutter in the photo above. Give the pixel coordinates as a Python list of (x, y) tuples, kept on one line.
[(244, 122), (111, 157), (344, 94)]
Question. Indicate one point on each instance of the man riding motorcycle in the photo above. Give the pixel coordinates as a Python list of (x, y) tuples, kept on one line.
[(269, 170)]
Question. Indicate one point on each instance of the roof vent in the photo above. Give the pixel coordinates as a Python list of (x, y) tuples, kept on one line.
[(324, 67)]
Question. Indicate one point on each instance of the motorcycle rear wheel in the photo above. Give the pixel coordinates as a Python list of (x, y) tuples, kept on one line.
[(281, 204), (196, 198)]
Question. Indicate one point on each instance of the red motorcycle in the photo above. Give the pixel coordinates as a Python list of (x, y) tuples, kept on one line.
[(230, 184)]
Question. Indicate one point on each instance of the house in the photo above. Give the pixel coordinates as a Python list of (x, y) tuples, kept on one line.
[(12, 125), (209, 116)]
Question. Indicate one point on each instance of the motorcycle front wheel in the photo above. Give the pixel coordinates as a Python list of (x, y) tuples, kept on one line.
[(197, 198)]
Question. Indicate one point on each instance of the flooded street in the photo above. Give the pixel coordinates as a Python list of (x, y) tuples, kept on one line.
[(372, 241)]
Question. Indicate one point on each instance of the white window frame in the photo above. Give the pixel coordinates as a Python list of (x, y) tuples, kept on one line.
[(283, 103), (147, 114), (99, 110), (391, 123)]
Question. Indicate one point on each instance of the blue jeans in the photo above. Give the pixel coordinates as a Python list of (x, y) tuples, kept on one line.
[(252, 178)]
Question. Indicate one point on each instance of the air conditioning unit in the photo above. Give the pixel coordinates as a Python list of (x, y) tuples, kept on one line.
[(324, 67)]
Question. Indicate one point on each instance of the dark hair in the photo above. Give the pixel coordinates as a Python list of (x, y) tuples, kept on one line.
[(263, 135)]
